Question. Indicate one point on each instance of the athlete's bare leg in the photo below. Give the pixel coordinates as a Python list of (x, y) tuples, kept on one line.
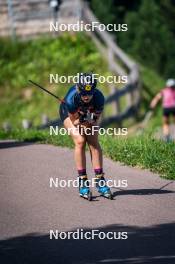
[(166, 126), (80, 144), (95, 150)]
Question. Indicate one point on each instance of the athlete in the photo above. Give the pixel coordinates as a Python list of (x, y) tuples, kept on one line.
[(81, 109), (168, 103)]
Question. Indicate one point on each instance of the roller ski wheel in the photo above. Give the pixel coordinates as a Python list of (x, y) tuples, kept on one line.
[(87, 196), (102, 188), (84, 190), (107, 195)]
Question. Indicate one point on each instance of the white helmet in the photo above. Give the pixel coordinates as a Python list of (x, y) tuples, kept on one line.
[(170, 83)]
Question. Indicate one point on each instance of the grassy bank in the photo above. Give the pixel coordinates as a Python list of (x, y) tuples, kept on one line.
[(141, 151), (36, 60), (66, 55)]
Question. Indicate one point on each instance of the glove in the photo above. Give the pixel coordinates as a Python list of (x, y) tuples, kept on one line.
[(82, 118)]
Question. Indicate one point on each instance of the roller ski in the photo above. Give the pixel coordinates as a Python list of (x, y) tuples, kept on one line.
[(84, 190), (102, 187)]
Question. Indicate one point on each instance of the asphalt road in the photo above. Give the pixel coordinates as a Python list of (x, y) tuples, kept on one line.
[(30, 209)]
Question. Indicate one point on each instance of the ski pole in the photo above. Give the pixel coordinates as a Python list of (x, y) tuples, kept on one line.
[(36, 84)]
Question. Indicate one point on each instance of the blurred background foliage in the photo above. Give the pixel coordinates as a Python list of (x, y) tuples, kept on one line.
[(150, 41), (150, 38), (35, 60)]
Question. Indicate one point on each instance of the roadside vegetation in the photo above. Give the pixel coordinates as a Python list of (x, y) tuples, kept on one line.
[(139, 151), (35, 60), (150, 38), (70, 54)]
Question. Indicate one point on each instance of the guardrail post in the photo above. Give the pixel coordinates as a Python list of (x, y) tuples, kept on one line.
[(11, 19)]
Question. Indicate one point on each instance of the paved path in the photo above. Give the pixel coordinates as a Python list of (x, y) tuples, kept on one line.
[(29, 209)]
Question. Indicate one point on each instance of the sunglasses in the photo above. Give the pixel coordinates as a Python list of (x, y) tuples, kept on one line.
[(85, 94)]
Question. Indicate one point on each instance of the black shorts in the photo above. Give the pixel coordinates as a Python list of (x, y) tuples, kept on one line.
[(169, 111), (63, 111)]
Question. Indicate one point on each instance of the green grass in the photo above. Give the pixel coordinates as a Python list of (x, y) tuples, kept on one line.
[(152, 80), (35, 60), (143, 152), (140, 151), (68, 55)]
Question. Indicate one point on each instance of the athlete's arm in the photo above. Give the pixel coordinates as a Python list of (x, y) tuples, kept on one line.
[(72, 111), (72, 106), (155, 100), (99, 106), (74, 117), (97, 116)]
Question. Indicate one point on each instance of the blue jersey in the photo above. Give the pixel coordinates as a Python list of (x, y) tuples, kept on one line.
[(75, 104)]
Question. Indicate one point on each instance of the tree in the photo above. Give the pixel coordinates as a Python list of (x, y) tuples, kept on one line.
[(104, 10), (148, 38)]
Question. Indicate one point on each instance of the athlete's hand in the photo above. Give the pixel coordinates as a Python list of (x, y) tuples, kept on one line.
[(85, 124), (92, 122), (76, 122)]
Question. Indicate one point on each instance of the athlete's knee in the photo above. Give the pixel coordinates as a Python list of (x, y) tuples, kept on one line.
[(95, 146), (80, 142)]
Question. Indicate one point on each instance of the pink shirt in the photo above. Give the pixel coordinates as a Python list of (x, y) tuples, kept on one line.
[(168, 96)]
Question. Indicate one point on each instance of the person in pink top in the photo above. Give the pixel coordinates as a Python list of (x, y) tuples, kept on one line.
[(168, 103)]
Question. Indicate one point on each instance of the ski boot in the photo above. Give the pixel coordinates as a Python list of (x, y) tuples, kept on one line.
[(102, 187), (84, 190)]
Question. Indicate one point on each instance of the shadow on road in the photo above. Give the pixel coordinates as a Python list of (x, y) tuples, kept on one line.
[(153, 245), (12, 144), (141, 192)]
